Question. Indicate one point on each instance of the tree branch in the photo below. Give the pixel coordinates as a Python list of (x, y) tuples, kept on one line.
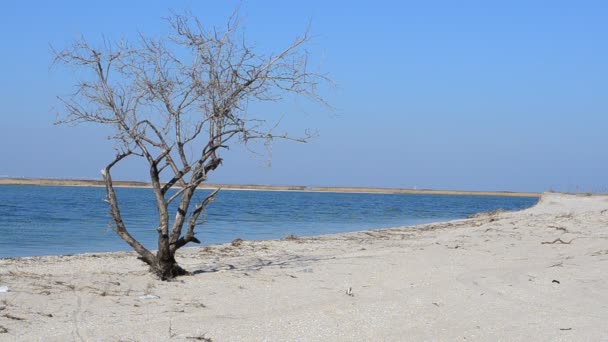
[(189, 236), (120, 228)]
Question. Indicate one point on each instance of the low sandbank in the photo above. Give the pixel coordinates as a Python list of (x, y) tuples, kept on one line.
[(536, 274), (133, 184)]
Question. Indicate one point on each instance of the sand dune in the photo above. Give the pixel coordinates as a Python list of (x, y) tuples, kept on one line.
[(537, 274)]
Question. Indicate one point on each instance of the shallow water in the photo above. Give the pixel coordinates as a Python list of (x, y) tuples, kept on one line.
[(51, 220)]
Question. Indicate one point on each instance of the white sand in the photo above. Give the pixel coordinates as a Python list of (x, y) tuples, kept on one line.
[(489, 278)]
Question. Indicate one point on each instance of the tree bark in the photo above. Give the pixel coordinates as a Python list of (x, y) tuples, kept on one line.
[(166, 267)]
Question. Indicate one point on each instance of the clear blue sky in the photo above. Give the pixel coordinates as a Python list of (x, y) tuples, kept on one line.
[(431, 94)]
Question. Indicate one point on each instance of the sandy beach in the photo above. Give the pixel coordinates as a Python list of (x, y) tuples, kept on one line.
[(536, 274)]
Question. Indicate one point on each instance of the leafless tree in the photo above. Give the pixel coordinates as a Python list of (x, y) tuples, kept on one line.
[(177, 102)]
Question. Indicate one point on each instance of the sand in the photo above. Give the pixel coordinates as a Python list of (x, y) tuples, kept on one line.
[(537, 274)]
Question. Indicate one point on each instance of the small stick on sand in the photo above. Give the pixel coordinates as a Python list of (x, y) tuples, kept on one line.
[(555, 241)]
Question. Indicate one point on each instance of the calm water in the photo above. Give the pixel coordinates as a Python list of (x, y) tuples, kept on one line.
[(48, 220)]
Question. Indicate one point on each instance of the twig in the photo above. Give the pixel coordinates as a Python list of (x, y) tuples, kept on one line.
[(200, 338), (556, 241), (9, 316), (559, 228)]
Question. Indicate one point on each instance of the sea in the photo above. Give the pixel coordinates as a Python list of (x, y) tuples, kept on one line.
[(63, 220)]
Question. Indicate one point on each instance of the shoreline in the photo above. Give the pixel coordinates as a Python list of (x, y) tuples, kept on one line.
[(252, 187), (130, 252), (538, 273)]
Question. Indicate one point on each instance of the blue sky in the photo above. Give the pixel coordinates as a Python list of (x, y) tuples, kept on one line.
[(430, 94)]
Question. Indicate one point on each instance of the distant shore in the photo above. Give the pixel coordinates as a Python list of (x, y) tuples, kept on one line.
[(134, 184)]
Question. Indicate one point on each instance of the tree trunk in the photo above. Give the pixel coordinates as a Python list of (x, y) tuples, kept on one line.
[(166, 267)]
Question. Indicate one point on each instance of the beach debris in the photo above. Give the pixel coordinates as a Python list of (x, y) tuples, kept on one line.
[(565, 329), (69, 286), (14, 318), (171, 333), (200, 338), (196, 305), (291, 237), (558, 228), (237, 242), (3, 330), (556, 241), (149, 296), (555, 281), (598, 253), (349, 292), (4, 289)]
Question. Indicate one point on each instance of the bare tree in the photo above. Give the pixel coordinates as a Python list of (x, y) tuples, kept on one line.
[(177, 102)]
